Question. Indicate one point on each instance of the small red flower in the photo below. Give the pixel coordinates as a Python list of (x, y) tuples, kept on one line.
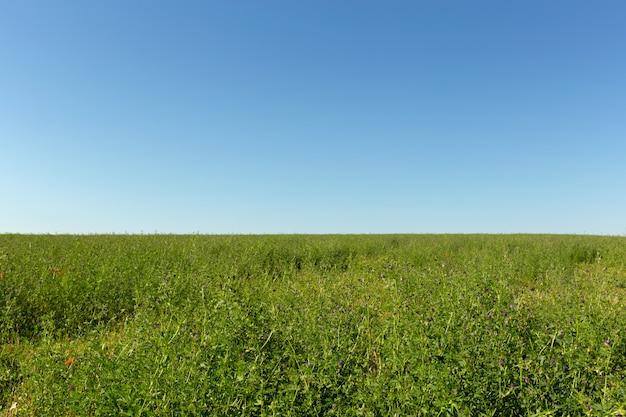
[(69, 361)]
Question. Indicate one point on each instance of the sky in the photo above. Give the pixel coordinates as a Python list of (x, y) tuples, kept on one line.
[(325, 116)]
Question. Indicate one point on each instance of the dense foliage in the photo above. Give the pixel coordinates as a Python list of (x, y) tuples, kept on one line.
[(363, 325)]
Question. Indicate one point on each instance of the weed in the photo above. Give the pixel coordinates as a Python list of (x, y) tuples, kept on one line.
[(312, 325)]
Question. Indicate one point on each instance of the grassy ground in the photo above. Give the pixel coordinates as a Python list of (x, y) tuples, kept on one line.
[(312, 325)]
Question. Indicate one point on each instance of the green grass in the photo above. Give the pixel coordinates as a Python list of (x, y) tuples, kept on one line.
[(363, 325)]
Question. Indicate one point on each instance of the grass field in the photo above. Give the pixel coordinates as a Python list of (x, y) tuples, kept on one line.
[(362, 325)]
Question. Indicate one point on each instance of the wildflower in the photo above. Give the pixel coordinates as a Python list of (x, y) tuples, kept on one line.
[(607, 342), (71, 387), (1, 276), (69, 361)]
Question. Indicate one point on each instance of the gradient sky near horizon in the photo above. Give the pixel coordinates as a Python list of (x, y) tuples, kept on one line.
[(313, 116)]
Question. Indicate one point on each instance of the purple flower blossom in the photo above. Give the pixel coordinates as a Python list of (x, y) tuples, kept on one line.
[(607, 342)]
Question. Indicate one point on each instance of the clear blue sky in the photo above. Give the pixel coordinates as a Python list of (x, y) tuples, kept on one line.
[(323, 116)]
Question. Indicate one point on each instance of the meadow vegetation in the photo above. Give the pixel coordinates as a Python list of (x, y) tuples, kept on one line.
[(346, 325)]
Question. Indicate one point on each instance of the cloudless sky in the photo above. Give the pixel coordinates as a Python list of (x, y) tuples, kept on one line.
[(323, 116)]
